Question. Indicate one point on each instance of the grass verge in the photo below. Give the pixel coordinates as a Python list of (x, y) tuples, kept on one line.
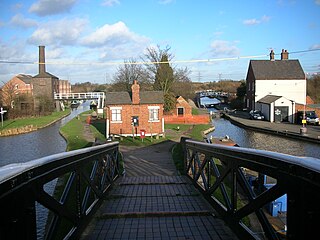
[(35, 121), (74, 132)]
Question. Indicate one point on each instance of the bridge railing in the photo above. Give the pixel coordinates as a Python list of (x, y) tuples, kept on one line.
[(81, 178), (224, 175), (87, 95)]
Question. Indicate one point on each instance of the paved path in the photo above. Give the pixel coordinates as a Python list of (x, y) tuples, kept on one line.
[(283, 129), (152, 202)]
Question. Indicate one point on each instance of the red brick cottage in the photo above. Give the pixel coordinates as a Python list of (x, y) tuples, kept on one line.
[(182, 114), (129, 113)]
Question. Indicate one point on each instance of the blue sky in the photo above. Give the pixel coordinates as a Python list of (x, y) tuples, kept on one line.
[(86, 40)]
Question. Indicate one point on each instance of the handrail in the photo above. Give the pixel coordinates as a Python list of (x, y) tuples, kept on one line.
[(85, 95), (220, 173), (87, 175)]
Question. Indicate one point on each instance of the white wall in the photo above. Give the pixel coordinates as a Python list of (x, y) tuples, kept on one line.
[(291, 89), (268, 109), (283, 102)]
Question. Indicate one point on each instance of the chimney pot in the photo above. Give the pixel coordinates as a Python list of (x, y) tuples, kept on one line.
[(135, 92), (272, 55), (284, 55)]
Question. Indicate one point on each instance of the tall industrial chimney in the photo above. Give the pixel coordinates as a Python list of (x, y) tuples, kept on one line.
[(42, 60)]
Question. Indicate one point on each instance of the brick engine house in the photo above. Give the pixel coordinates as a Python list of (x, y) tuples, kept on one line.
[(130, 113)]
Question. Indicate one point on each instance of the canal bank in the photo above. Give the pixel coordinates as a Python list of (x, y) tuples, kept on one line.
[(35, 124), (289, 130)]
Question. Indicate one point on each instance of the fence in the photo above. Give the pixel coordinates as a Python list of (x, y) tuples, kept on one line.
[(83, 177), (242, 183)]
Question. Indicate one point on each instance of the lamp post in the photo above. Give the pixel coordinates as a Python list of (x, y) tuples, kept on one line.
[(303, 130), (292, 112)]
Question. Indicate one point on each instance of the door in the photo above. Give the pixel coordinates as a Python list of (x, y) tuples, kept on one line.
[(281, 114), (180, 111)]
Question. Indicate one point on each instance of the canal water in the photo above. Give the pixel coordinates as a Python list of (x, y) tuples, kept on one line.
[(270, 142), (43, 142)]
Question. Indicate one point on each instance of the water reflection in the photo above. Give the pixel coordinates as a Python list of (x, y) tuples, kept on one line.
[(26, 147), (250, 139), (37, 144)]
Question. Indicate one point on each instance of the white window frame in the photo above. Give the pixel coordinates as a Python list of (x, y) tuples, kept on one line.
[(118, 112), (152, 111)]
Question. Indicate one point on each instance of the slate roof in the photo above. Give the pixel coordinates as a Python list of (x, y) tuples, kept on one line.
[(146, 97), (45, 75), (151, 97), (269, 99), (25, 78), (277, 69)]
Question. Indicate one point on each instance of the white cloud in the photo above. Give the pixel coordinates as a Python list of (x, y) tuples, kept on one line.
[(62, 32), (51, 7), (252, 21), (315, 46), (221, 48), (112, 35), (255, 21), (164, 2), (20, 21), (110, 3), (317, 2), (218, 33)]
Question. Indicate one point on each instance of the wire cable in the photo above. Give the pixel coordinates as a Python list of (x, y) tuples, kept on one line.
[(150, 63)]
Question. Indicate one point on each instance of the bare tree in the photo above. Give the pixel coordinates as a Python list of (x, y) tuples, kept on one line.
[(153, 59), (127, 73), (183, 85), (9, 94), (313, 88)]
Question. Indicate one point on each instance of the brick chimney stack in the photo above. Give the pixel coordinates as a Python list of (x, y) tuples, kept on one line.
[(284, 55), (272, 55), (135, 92), (42, 60)]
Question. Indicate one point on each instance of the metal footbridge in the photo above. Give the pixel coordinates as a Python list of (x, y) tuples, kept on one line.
[(222, 194), (99, 96)]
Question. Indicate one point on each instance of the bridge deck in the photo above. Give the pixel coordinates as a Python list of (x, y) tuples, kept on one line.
[(152, 202)]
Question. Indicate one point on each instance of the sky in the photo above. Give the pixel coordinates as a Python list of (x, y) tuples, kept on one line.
[(88, 40)]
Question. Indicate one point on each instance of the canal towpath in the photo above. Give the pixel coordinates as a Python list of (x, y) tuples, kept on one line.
[(241, 119), (152, 201)]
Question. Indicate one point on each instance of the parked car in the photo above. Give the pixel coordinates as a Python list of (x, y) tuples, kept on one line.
[(256, 115), (311, 117)]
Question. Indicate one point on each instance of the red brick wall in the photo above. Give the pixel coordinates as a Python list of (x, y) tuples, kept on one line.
[(196, 119), (300, 107), (181, 102), (9, 89), (142, 111), (309, 100)]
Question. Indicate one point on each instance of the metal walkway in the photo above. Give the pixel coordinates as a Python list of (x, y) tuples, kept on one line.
[(99, 96), (156, 205)]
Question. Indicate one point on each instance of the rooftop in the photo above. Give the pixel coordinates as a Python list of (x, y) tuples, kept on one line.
[(276, 69)]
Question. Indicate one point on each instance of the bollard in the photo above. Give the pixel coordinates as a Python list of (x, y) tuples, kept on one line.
[(303, 131)]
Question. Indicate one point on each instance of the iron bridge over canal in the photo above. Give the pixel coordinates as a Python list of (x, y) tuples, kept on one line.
[(99, 96), (221, 174)]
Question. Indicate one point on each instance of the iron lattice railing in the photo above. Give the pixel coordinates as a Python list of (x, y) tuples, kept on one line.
[(83, 178), (233, 180)]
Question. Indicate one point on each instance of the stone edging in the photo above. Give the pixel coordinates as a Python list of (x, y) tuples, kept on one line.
[(26, 129)]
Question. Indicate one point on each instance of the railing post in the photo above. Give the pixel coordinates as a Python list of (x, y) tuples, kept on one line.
[(303, 211), (18, 216), (184, 149)]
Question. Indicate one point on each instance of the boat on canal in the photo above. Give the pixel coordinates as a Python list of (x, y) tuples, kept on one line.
[(226, 140), (75, 104)]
